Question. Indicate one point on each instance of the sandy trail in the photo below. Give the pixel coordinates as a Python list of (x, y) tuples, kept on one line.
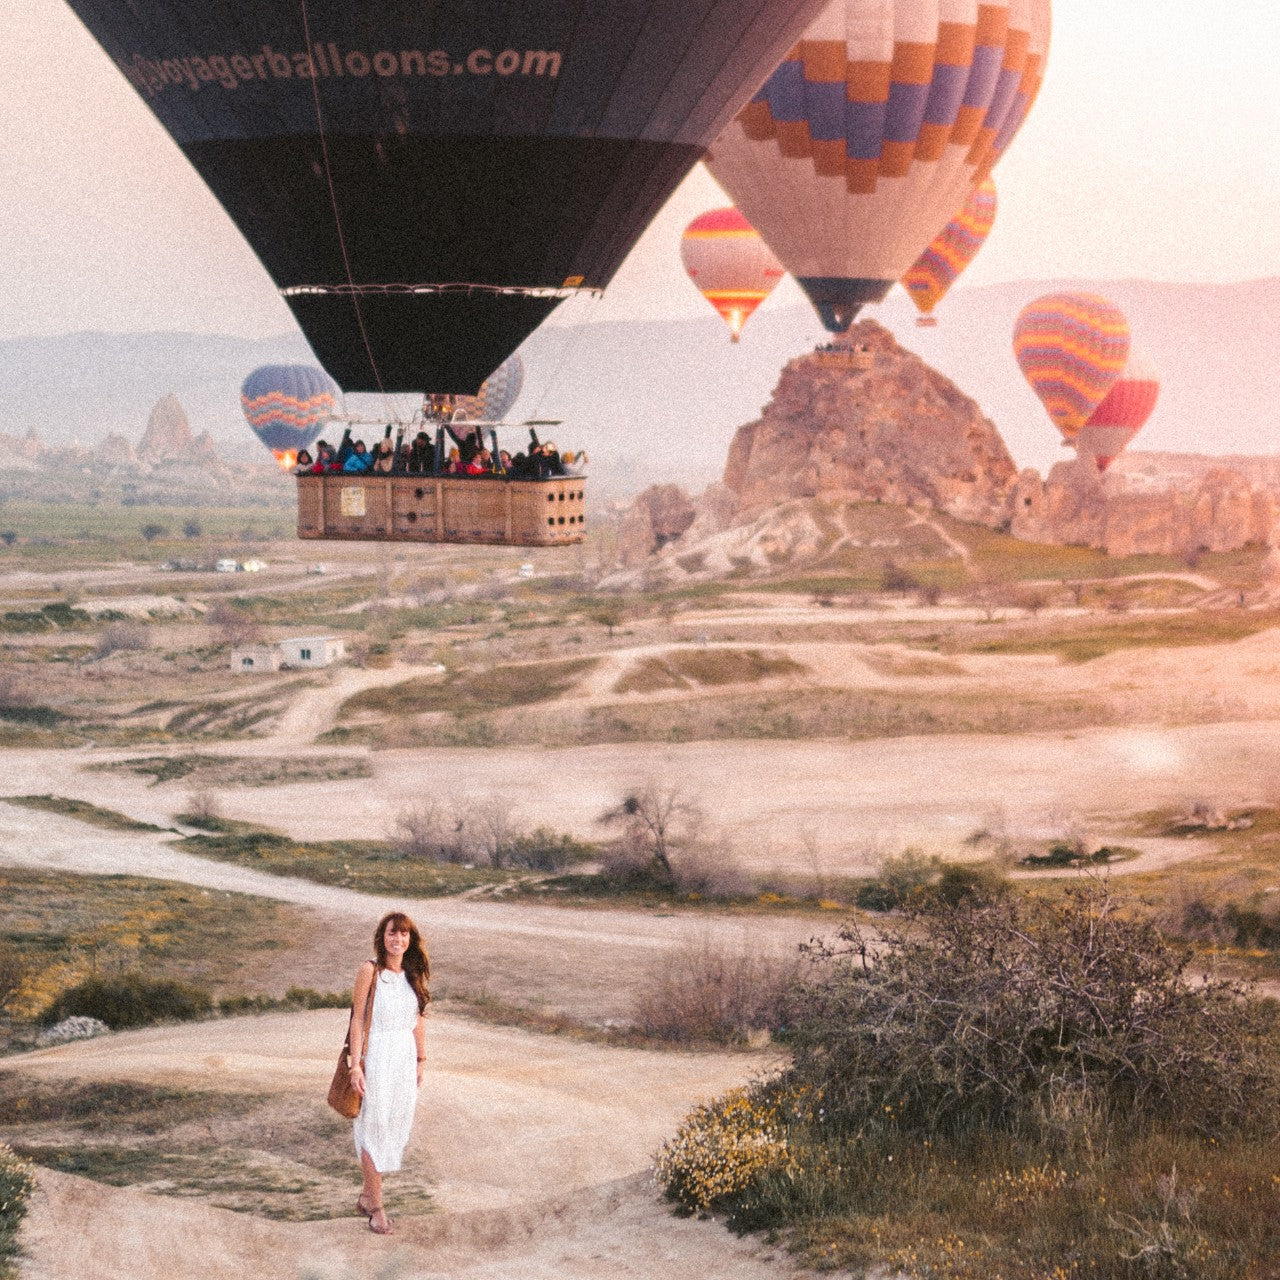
[(538, 1148)]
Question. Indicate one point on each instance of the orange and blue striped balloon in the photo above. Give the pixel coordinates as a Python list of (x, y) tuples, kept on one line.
[(937, 268), (1071, 348), (731, 265), (286, 405)]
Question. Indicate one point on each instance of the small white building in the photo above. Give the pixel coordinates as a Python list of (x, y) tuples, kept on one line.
[(311, 651), (255, 659)]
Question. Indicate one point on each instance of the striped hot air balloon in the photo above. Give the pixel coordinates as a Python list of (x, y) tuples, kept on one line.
[(938, 267), (731, 265), (870, 135), (1071, 348), (499, 391), (287, 406), (1122, 414)]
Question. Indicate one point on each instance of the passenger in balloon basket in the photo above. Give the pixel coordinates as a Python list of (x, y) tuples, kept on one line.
[(346, 448), (422, 454), (389, 1060), (384, 457), (359, 459), (305, 463), (469, 444)]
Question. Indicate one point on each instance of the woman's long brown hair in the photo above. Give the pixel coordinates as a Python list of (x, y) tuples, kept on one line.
[(416, 964)]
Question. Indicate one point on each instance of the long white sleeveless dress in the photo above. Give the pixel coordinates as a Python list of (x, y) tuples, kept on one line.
[(390, 1074)]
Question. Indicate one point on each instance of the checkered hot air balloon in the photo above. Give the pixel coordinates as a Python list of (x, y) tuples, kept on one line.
[(1122, 414), (730, 264), (1071, 348), (500, 390), (871, 134), (939, 266), (287, 406)]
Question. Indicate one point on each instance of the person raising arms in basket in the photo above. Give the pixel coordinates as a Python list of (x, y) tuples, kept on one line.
[(394, 1058)]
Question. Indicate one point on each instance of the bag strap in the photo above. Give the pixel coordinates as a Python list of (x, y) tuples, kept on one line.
[(368, 1018)]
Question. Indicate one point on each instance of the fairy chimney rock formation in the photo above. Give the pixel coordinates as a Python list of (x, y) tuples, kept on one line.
[(872, 423), (168, 433)]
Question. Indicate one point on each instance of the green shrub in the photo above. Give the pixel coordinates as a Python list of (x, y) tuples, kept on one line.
[(16, 1186), (294, 998), (544, 850), (130, 1000), (913, 880)]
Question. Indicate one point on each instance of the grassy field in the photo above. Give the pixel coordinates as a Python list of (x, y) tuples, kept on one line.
[(371, 866), (67, 927), (82, 810), (215, 771)]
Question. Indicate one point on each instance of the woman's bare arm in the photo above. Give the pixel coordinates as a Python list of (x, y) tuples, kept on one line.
[(359, 1006)]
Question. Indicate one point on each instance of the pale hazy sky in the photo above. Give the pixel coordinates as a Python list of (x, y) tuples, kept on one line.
[(1153, 151)]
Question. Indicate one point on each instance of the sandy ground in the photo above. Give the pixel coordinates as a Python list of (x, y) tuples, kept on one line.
[(538, 1147), (860, 798)]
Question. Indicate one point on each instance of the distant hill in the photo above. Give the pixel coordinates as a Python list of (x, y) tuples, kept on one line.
[(655, 401)]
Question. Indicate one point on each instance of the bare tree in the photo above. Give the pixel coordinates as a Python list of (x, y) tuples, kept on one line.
[(232, 626), (421, 831), (655, 818)]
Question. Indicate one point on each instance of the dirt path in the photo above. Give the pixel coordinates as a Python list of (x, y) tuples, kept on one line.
[(587, 963), (538, 1149)]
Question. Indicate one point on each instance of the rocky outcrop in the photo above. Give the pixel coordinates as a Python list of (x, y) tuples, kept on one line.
[(658, 516), (871, 422), (1220, 510), (168, 433)]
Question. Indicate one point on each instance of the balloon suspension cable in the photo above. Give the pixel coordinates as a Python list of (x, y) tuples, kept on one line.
[(569, 347), (337, 219)]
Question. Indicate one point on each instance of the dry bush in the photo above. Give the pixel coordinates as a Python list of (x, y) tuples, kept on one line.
[(122, 637), (422, 830), (1024, 1015), (232, 626), (709, 991), (204, 810), (708, 865)]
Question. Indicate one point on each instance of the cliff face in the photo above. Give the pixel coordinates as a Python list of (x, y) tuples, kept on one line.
[(1220, 510), (881, 426)]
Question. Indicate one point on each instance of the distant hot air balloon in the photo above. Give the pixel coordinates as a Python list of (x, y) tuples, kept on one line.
[(287, 406), (872, 133), (499, 391), (732, 267), (1121, 414), (425, 182), (937, 268), (1071, 348)]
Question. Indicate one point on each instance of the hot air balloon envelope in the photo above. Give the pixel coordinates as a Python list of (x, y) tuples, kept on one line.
[(938, 267), (500, 390), (1071, 348), (729, 263), (873, 131), (287, 406), (1122, 413), (425, 181)]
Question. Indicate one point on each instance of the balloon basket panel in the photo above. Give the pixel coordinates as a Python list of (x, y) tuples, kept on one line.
[(472, 509)]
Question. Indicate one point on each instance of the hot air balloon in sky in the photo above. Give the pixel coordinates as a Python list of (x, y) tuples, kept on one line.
[(425, 182), (872, 132), (499, 391), (287, 406), (937, 268), (731, 265), (1122, 413), (1071, 348)]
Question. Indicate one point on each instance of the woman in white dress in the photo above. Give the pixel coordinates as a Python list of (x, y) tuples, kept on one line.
[(394, 1059)]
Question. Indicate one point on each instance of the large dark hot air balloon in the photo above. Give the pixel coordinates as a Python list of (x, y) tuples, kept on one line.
[(287, 405), (425, 181)]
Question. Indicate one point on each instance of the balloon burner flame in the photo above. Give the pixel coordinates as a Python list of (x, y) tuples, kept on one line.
[(286, 459)]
